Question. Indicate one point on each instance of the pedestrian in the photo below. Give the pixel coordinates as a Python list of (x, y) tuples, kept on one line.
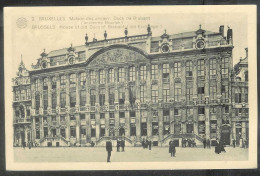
[(118, 145), (204, 143), (24, 145), (172, 149), (182, 142), (146, 143), (234, 143), (123, 145), (143, 143), (150, 144), (208, 143), (217, 149), (109, 149), (29, 144), (221, 146)]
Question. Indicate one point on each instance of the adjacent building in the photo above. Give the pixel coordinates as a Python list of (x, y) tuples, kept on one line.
[(160, 88)]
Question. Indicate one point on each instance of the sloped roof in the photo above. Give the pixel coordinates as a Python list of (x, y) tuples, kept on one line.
[(64, 51)]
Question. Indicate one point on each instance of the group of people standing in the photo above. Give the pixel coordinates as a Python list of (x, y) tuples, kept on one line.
[(220, 147), (206, 143), (120, 143), (242, 143), (147, 144), (29, 144), (188, 142)]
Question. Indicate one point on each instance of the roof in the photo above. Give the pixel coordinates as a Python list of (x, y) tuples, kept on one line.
[(64, 51)]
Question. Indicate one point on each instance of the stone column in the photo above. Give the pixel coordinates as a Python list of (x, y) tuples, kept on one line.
[(58, 90), (234, 130), (49, 94), (106, 102), (77, 89), (116, 112), (195, 116), (172, 120), (148, 93), (160, 84), (218, 70), (207, 130), (107, 124), (97, 126), (243, 131), (77, 127), (33, 92), (206, 91), (160, 123), (219, 121), (195, 79), (183, 117), (67, 106), (138, 125), (87, 115), (138, 113)]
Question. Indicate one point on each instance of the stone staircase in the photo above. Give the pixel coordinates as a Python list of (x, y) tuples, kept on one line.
[(113, 138), (45, 140), (199, 140)]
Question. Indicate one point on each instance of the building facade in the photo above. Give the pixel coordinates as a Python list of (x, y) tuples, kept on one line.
[(164, 87)]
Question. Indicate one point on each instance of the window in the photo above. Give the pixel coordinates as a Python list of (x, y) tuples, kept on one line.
[(45, 83), (201, 91), (28, 93), (154, 93), (37, 134), (237, 95), (177, 69), (213, 92), (28, 112), (102, 115), (93, 132), (155, 129), (201, 110), (143, 72), (45, 131), (213, 110), (132, 129), (72, 131), (246, 95), (72, 117), (53, 82), (102, 77), (23, 94), (53, 118), (17, 95), (121, 114), (212, 68), (92, 97), (37, 84), (189, 93), (166, 128), (53, 100), (201, 67), (132, 73), (72, 99), (81, 56), (111, 96), (82, 117), (189, 68), (166, 94), (121, 74), (92, 116), (92, 77), (142, 93), (37, 119), (83, 130), (226, 109), (176, 112), (201, 127), (111, 74), (102, 97), (154, 71), (83, 78), (63, 82), (63, 100), (111, 115), (62, 132), (72, 80), (37, 101), (62, 118), (213, 128), (132, 96), (132, 113), (45, 99), (224, 67), (121, 95), (143, 129), (177, 92), (246, 75), (165, 71), (238, 111), (189, 113), (83, 98), (224, 91)]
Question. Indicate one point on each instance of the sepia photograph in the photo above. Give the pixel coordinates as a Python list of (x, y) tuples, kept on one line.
[(130, 88)]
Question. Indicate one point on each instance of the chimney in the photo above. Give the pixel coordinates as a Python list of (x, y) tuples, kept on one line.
[(221, 30), (246, 52), (229, 35)]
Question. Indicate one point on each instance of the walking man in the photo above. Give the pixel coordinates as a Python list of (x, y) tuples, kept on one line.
[(118, 145), (150, 144), (123, 145), (109, 149), (234, 143), (208, 143), (204, 143)]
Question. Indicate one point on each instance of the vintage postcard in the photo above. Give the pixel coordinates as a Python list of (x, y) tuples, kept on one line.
[(130, 88)]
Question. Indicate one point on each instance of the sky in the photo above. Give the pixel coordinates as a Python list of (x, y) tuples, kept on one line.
[(55, 29)]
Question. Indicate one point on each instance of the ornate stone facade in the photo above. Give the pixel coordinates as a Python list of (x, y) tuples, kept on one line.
[(135, 87)]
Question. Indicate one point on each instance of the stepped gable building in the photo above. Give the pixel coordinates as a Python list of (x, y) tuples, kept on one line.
[(240, 100), (164, 87)]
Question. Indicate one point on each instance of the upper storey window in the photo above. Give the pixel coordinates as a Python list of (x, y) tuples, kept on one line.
[(82, 56), (17, 95), (63, 81), (154, 46), (224, 67), (73, 80), (111, 74), (45, 83), (102, 77), (37, 84), (177, 69), (165, 71), (246, 75), (189, 68), (121, 74), (92, 77), (201, 67), (132, 73), (53, 82), (154, 71), (83, 78), (212, 68), (143, 72)]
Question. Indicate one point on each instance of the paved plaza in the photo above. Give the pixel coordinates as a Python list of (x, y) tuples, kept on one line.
[(131, 154)]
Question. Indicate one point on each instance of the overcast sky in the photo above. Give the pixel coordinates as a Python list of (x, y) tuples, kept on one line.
[(62, 30)]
